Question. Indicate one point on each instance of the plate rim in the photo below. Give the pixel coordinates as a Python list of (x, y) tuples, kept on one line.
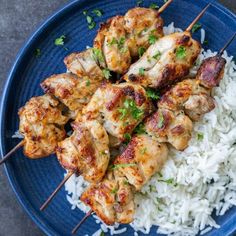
[(32, 213)]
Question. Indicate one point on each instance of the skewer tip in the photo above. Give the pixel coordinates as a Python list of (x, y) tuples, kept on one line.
[(81, 222), (189, 28), (5, 158), (227, 44), (69, 174), (162, 8)]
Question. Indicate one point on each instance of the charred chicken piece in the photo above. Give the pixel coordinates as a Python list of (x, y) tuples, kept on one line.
[(166, 61), (143, 157), (86, 151), (72, 91), (87, 63), (189, 96), (211, 71), (111, 199), (42, 125), (142, 26), (171, 127), (111, 41), (120, 108)]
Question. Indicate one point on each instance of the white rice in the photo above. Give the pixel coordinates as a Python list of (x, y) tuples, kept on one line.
[(193, 183)]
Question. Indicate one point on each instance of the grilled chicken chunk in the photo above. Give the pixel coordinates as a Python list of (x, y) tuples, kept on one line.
[(171, 127), (143, 157), (189, 96), (86, 150), (111, 199), (119, 107), (42, 125), (211, 71), (166, 61), (72, 91), (87, 63), (111, 41), (142, 26)]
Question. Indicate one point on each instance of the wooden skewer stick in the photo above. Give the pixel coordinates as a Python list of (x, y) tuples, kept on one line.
[(82, 221), (161, 9), (197, 18), (69, 174), (20, 144), (227, 44)]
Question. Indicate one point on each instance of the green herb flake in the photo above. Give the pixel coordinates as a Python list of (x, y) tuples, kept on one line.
[(126, 182), (160, 120), (168, 181), (141, 71), (37, 52), (180, 52), (97, 55), (114, 191), (141, 51), (127, 137), (200, 136), (196, 27), (153, 6), (152, 38), (140, 129), (152, 188), (60, 41), (123, 112), (97, 12), (152, 93), (92, 25), (117, 166), (88, 83), (139, 2), (143, 151), (106, 73), (85, 12), (119, 42), (89, 19), (205, 42), (102, 233), (157, 56)]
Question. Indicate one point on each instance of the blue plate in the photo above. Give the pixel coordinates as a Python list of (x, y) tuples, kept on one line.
[(33, 181)]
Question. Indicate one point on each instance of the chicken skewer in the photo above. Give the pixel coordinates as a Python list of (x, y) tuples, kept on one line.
[(42, 125), (209, 75), (86, 151), (166, 61), (118, 41)]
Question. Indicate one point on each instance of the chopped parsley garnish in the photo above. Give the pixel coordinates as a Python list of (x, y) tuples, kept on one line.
[(141, 51), (157, 55), (180, 52), (97, 55), (140, 129), (152, 93), (130, 107), (60, 41), (152, 38), (160, 120), (116, 166), (200, 136), (205, 42), (37, 52), (152, 188), (106, 73), (119, 42), (90, 21), (139, 2), (85, 12), (153, 6), (114, 190), (88, 83), (196, 27), (125, 182), (92, 25), (168, 181), (97, 12), (127, 137), (143, 151), (102, 233), (141, 71)]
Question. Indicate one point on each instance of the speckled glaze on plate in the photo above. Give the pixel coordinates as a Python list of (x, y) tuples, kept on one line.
[(34, 180)]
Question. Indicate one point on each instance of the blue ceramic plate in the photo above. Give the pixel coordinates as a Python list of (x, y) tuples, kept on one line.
[(31, 180)]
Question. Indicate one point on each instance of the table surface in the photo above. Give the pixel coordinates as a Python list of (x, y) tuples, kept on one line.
[(18, 19)]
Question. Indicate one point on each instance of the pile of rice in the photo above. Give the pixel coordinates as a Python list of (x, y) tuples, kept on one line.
[(193, 183)]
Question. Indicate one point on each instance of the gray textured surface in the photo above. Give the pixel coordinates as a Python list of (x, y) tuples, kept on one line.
[(18, 19)]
